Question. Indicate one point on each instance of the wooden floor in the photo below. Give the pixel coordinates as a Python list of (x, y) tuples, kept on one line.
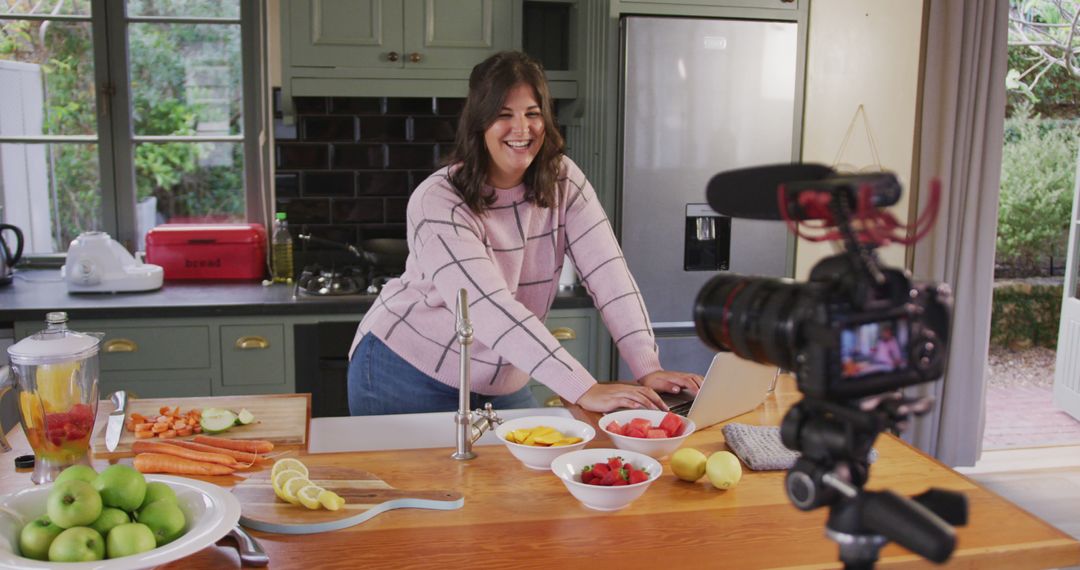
[(1045, 481)]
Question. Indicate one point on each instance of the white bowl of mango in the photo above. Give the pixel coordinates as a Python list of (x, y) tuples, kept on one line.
[(537, 440)]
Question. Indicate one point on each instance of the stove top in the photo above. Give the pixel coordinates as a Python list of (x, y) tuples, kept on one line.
[(319, 281)]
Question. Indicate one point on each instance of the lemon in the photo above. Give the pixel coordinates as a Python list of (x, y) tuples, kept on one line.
[(688, 464), (288, 463), (331, 500), (309, 496), (723, 469), (282, 478), (292, 487)]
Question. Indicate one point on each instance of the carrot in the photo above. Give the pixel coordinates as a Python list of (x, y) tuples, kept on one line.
[(170, 449), (248, 445), (239, 456), (163, 463), (144, 434)]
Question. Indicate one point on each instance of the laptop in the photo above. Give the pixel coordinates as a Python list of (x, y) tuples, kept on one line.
[(732, 386)]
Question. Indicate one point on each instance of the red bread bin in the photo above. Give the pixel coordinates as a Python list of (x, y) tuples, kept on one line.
[(208, 251)]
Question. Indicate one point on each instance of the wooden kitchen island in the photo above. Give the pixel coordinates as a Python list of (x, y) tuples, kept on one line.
[(517, 518)]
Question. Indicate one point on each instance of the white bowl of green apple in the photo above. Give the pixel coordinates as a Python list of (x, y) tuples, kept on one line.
[(117, 519)]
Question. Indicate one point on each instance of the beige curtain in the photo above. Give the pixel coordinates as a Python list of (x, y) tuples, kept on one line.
[(962, 124)]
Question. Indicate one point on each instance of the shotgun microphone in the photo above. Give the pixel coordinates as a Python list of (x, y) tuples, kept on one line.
[(752, 193)]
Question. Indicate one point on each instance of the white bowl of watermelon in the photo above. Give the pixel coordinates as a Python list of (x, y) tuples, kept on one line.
[(655, 433), (537, 452), (606, 479)]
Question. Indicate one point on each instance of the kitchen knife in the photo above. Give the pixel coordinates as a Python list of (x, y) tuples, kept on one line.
[(115, 426)]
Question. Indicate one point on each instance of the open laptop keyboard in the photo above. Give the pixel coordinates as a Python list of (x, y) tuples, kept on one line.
[(682, 409)]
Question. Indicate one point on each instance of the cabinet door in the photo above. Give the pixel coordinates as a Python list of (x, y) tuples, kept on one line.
[(253, 355), (345, 33), (455, 34), (575, 333)]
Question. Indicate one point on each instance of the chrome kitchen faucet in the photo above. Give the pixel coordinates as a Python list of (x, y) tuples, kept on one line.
[(468, 431)]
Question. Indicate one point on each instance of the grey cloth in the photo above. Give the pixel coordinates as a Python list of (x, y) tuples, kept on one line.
[(759, 447)]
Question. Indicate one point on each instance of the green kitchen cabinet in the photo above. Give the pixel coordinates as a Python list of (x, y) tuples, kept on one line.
[(579, 332), (771, 9), (382, 48), (182, 357)]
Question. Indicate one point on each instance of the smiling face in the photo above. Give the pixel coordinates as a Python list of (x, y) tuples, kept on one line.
[(514, 139)]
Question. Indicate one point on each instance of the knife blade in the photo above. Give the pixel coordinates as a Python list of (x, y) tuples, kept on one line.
[(115, 426)]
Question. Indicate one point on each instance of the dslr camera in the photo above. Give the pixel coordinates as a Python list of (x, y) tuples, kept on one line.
[(854, 334)]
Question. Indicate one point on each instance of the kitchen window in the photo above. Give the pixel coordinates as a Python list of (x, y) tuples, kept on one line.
[(121, 115)]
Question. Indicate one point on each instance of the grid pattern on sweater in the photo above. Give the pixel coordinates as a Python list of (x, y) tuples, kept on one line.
[(508, 260)]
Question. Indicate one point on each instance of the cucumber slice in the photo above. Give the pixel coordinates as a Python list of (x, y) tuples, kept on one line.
[(216, 420), (245, 417)]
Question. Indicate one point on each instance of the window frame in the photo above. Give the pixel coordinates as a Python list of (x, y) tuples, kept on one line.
[(116, 152)]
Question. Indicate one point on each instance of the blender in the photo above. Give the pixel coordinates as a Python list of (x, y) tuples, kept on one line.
[(56, 374)]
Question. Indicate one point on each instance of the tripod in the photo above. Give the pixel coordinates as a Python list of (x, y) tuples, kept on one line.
[(835, 441)]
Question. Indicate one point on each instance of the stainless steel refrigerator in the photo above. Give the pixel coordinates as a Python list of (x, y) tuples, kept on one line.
[(699, 96)]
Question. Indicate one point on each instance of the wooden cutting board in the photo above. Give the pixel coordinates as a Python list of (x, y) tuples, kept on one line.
[(280, 418), (365, 496)]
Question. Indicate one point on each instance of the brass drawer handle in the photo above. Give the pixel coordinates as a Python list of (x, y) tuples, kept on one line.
[(415, 57), (252, 343), (121, 345), (553, 402), (564, 333)]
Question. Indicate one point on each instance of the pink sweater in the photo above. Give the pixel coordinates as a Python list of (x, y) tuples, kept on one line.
[(509, 260)]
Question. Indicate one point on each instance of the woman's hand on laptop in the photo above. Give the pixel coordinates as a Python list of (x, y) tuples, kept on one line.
[(607, 397), (672, 382)]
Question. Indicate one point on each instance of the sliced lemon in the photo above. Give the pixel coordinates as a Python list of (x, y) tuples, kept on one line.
[(288, 463), (292, 487), (331, 500), (282, 478), (309, 496)]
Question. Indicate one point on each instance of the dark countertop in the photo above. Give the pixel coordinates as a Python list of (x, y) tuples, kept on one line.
[(38, 291)]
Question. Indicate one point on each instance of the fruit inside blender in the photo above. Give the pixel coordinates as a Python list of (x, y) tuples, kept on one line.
[(57, 420)]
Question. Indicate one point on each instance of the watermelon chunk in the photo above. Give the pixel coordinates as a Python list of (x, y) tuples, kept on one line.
[(615, 428), (672, 424), (657, 434)]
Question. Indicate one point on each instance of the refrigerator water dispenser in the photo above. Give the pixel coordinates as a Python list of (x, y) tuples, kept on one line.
[(707, 240)]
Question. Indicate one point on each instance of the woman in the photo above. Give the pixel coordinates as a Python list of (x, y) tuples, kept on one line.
[(499, 221)]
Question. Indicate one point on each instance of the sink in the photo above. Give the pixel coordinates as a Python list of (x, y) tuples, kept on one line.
[(402, 431)]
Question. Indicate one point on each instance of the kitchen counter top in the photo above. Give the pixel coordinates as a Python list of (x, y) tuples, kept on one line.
[(517, 518), (37, 291)]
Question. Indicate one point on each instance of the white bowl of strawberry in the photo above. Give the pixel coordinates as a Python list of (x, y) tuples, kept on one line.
[(606, 479), (655, 433)]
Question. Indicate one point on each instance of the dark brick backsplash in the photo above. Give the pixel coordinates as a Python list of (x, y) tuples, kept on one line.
[(329, 184), (355, 156), (383, 129), (302, 156), (347, 174), (383, 183), (328, 128), (411, 156), (358, 210)]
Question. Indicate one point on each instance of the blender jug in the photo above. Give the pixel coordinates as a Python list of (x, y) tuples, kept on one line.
[(56, 374)]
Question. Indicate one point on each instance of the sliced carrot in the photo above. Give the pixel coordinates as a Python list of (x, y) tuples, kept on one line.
[(160, 428), (138, 418), (183, 432), (144, 434), (164, 463), (167, 434), (197, 429)]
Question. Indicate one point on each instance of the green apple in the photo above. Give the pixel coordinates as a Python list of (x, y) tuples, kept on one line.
[(110, 518), (128, 539), (73, 503), (165, 519), (80, 472), (78, 544), (35, 538), (121, 486), (156, 491)]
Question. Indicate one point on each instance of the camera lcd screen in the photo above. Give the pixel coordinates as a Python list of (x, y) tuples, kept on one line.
[(874, 348)]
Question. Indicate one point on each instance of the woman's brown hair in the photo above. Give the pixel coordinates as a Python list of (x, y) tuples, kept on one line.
[(489, 83)]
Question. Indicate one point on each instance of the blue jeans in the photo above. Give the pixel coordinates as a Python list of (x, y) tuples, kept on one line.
[(381, 382)]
